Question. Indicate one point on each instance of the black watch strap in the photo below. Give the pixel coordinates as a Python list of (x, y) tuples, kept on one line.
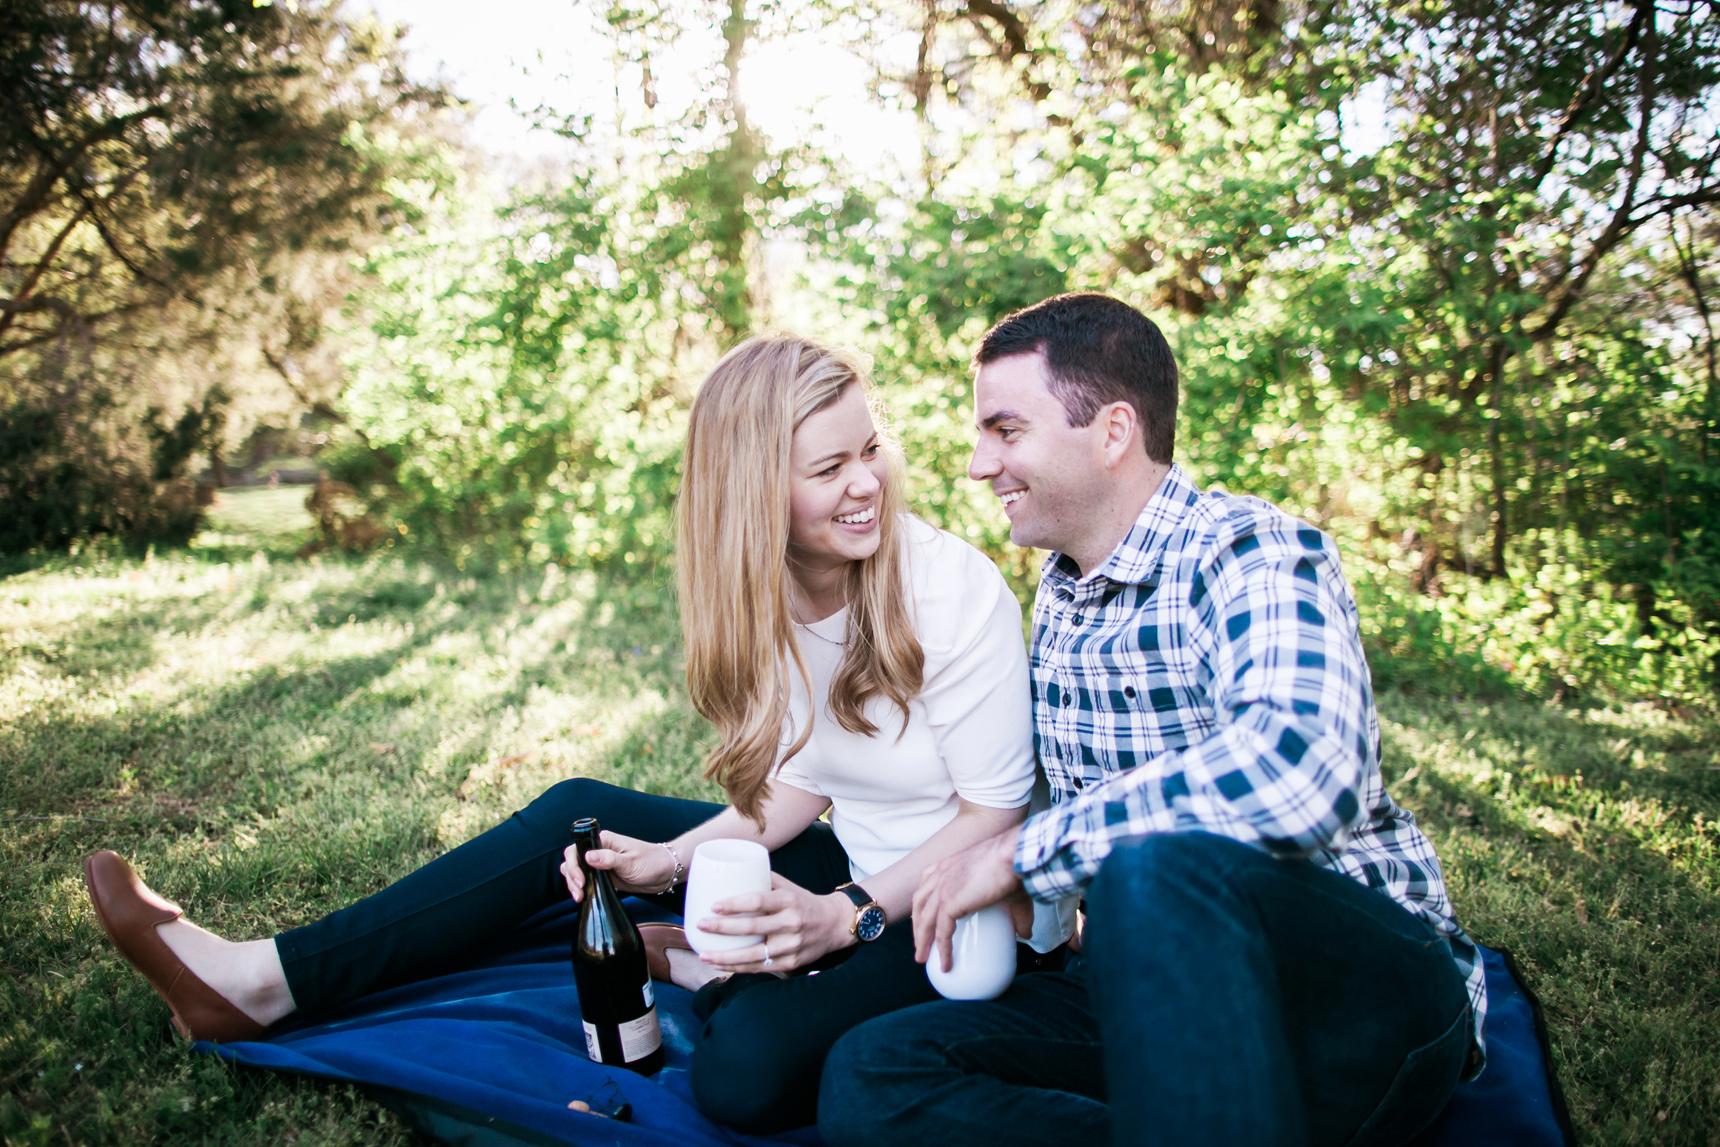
[(869, 919)]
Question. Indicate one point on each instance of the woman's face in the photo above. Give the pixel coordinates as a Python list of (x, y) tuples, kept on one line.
[(836, 482)]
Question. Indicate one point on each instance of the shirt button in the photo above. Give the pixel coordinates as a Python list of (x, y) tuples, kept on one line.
[(1079, 619)]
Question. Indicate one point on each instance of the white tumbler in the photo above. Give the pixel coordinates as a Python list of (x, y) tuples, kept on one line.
[(721, 869), (982, 957)]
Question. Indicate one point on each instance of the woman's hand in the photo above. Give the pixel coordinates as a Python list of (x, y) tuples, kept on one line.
[(798, 927), (633, 865)]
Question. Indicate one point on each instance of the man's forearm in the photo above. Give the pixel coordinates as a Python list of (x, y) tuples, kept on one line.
[(1268, 779)]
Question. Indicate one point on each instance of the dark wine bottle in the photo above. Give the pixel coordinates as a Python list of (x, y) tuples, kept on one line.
[(615, 996)]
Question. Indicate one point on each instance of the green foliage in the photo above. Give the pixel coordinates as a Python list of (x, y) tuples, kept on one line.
[(532, 357), (1482, 357), (185, 186), (526, 393), (1485, 364), (72, 469)]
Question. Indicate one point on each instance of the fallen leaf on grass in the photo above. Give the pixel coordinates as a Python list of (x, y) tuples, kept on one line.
[(1582, 911), (381, 750), (510, 762)]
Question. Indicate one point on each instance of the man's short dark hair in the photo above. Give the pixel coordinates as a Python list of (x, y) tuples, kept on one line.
[(1098, 350)]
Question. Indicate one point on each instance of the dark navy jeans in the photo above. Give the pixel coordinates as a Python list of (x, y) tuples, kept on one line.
[(758, 1056), (1224, 997)]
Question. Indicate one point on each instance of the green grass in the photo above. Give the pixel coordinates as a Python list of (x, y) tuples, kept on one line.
[(269, 738), (258, 517)]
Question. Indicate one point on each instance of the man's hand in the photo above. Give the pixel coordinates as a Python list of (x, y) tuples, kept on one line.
[(962, 883)]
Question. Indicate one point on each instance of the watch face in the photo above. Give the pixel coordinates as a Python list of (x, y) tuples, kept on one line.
[(871, 924)]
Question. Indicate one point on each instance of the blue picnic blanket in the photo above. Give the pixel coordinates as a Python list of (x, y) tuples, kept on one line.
[(491, 1055)]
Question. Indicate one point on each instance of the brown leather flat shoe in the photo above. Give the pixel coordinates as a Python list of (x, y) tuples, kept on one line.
[(129, 912), (659, 938)]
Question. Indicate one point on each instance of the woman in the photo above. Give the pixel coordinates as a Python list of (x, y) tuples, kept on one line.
[(852, 658)]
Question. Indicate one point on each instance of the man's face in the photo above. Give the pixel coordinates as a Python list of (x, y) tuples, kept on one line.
[(1049, 474)]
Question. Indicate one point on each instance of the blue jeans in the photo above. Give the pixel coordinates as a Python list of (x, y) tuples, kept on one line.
[(1223, 997)]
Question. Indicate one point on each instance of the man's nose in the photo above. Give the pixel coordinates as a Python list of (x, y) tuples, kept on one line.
[(984, 465)]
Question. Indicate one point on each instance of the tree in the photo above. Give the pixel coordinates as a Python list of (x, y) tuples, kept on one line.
[(183, 186), (1537, 140), (1468, 349)]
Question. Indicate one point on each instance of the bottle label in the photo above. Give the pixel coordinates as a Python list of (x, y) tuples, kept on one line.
[(640, 1037), (591, 1048)]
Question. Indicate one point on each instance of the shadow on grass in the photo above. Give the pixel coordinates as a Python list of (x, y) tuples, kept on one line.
[(1579, 841), (192, 745)]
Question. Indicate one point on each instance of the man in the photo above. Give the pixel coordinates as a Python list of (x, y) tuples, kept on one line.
[(1269, 956)]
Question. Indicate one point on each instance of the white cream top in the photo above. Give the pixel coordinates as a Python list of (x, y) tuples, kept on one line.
[(969, 733)]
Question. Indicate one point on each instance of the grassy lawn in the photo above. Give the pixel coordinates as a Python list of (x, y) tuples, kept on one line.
[(269, 738)]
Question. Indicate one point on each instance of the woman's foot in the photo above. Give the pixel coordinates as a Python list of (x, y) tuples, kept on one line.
[(686, 970), (217, 989), (247, 973), (672, 960)]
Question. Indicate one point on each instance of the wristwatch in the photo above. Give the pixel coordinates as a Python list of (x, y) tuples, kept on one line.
[(868, 917)]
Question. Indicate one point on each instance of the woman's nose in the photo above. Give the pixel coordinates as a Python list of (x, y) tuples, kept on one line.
[(864, 483)]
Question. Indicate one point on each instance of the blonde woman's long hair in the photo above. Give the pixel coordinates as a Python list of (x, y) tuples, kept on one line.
[(732, 526)]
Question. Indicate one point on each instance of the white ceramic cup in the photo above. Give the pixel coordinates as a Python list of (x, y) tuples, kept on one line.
[(982, 957), (721, 869)]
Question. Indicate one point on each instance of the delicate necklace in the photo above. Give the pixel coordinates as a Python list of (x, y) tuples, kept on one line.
[(807, 625), (796, 594)]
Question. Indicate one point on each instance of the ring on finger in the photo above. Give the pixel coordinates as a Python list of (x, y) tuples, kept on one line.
[(767, 961)]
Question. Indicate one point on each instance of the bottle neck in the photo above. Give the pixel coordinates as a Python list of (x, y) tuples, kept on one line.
[(596, 879)]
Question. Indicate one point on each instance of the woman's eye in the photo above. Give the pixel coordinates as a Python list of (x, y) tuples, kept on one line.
[(830, 471), (872, 450)]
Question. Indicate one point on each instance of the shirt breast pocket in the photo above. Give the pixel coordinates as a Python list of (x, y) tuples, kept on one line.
[(1123, 695), (1145, 693)]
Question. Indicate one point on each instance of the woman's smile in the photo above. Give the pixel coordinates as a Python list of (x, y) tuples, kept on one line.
[(859, 521)]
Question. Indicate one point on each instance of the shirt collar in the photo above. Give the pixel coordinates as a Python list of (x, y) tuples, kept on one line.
[(1136, 557)]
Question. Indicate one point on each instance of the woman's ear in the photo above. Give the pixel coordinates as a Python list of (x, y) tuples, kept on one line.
[(1122, 432)]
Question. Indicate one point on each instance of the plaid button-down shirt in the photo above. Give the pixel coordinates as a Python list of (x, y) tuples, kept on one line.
[(1209, 675)]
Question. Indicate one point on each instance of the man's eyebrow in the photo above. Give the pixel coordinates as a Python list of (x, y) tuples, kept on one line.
[(992, 420)]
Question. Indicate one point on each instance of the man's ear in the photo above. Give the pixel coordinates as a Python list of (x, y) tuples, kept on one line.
[(1122, 427)]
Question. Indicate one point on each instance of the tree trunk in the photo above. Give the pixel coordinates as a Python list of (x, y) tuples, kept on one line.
[(1501, 528), (737, 167), (923, 65)]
